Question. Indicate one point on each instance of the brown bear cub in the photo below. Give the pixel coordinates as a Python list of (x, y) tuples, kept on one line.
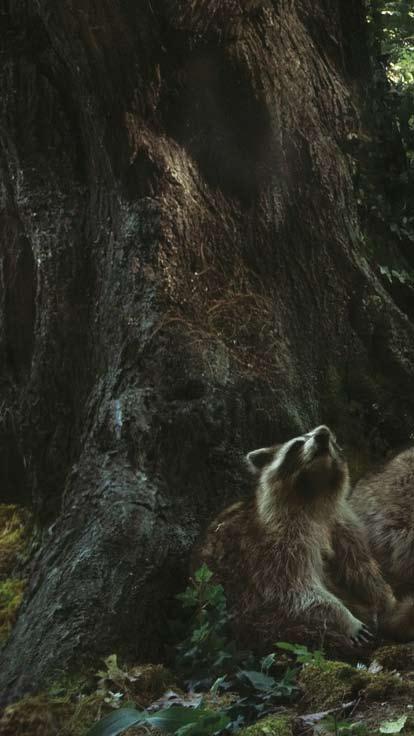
[(384, 500), (290, 557)]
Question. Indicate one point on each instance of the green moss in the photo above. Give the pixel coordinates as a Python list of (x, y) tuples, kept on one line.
[(13, 537), (70, 708), (72, 685), (385, 685), (42, 715), (270, 726), (395, 657), (142, 684), (33, 715), (82, 715), (14, 523), (8, 513), (152, 680), (331, 685), (337, 683), (11, 594)]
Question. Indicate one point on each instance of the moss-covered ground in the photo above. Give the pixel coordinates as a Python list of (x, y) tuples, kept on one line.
[(70, 706), (358, 697)]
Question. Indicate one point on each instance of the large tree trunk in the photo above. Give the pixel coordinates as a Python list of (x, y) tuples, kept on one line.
[(182, 281)]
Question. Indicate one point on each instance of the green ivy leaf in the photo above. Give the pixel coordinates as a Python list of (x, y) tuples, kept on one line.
[(189, 598), (201, 633), (215, 595), (203, 574)]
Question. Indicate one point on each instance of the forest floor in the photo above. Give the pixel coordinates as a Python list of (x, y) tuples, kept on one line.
[(296, 692), (331, 698)]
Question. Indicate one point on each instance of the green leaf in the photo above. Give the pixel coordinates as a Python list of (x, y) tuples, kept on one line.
[(317, 657), (267, 662), (219, 683), (287, 685), (257, 680), (202, 720), (185, 730), (201, 634), (117, 722), (203, 574), (215, 595), (302, 653), (189, 598), (206, 646), (393, 726), (176, 719), (171, 719), (295, 648)]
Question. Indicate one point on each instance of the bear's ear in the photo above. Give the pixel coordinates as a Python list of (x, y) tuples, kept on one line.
[(257, 459)]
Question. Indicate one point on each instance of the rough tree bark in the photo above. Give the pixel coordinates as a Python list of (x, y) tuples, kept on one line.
[(182, 281)]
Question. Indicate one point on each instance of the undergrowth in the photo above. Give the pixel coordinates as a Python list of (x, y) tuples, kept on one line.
[(219, 689), (214, 688), (225, 688)]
